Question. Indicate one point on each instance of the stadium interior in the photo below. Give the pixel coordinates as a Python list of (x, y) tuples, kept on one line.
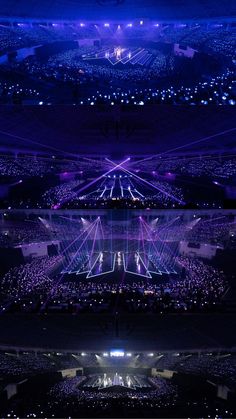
[(122, 52), (117, 209), (139, 383), (102, 261), (63, 157), (109, 313)]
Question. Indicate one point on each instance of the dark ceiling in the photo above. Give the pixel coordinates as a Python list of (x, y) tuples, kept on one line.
[(87, 332), (118, 9), (105, 131)]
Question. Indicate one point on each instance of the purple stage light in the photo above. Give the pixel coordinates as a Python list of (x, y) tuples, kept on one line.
[(88, 230), (28, 140), (151, 185), (56, 206), (116, 166)]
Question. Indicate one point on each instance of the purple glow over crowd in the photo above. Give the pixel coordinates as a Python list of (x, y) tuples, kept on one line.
[(126, 63), (114, 263), (117, 209), (144, 263), (157, 181)]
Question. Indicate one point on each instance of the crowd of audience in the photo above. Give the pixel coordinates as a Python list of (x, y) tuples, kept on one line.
[(122, 84), (15, 233), (216, 232), (160, 395), (219, 90), (16, 93), (37, 285), (125, 86), (202, 289), (24, 35), (220, 366), (14, 365), (75, 387), (68, 64), (63, 193), (218, 167), (31, 166), (215, 229), (218, 38), (62, 179), (67, 395), (212, 167), (30, 279)]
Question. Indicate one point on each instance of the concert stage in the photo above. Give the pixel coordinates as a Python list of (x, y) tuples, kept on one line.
[(116, 381), (140, 264)]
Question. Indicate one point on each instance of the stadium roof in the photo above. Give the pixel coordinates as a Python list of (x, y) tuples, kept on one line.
[(134, 333), (151, 130), (118, 9)]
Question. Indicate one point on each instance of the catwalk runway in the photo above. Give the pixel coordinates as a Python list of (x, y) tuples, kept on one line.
[(137, 263)]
